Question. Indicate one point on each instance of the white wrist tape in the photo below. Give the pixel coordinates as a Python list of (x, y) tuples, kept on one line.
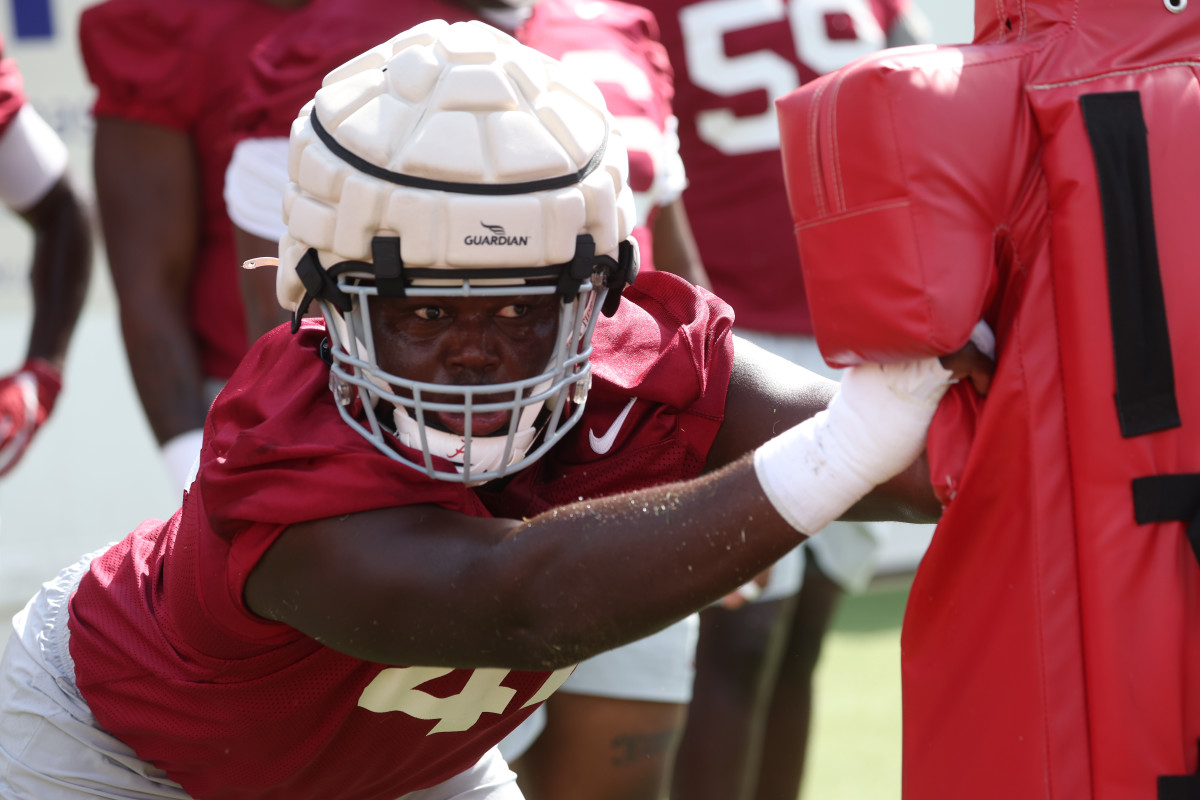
[(181, 454), (873, 429)]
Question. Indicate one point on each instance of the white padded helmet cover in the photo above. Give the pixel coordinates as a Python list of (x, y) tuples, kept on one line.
[(466, 104)]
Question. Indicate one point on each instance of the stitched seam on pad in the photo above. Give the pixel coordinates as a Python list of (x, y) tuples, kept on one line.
[(814, 151), (838, 187), (1077, 573), (1118, 73), (848, 215), (888, 113)]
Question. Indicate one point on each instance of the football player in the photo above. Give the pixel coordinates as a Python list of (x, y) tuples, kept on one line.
[(404, 532), (35, 184), (611, 732), (747, 727)]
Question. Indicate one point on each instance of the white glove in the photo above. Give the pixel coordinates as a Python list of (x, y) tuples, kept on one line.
[(873, 429)]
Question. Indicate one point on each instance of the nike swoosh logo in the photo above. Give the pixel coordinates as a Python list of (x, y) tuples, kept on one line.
[(602, 444)]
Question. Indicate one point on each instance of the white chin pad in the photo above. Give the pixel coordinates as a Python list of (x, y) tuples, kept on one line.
[(487, 452)]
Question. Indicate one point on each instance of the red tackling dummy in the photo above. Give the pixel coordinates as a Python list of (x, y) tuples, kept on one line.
[(1042, 179)]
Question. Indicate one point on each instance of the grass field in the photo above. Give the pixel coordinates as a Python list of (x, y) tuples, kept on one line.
[(855, 751)]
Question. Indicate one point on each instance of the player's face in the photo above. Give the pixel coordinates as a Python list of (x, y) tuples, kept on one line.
[(466, 342)]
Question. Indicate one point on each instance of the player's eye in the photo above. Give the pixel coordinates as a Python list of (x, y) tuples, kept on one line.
[(514, 311), (429, 313)]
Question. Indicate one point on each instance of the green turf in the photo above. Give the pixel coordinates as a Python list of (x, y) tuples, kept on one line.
[(855, 748)]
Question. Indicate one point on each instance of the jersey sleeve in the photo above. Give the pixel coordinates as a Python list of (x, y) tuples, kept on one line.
[(139, 55), (670, 343), (661, 368), (276, 453)]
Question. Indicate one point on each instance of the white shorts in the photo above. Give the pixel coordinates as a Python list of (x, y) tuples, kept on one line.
[(787, 576), (658, 668), (847, 552), (52, 749)]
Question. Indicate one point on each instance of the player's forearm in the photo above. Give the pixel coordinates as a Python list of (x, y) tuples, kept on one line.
[(429, 586), (147, 186), (680, 547), (598, 574), (441, 588), (165, 367), (62, 263), (908, 497)]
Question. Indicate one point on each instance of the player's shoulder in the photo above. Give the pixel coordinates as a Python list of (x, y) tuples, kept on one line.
[(667, 299), (665, 329), (277, 450)]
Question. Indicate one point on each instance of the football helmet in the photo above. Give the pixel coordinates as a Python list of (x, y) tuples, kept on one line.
[(454, 161)]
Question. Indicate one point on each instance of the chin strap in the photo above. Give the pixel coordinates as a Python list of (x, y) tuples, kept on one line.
[(318, 283), (625, 273)]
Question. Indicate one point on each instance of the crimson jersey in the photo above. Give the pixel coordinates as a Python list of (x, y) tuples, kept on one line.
[(617, 47), (12, 90), (732, 59), (612, 43), (232, 706), (176, 63)]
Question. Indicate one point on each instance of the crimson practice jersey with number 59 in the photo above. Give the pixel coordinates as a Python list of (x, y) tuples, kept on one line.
[(732, 60)]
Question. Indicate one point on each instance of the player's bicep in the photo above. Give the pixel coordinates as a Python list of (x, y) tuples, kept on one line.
[(767, 395)]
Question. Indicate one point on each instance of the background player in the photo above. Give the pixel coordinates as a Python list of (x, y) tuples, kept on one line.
[(164, 71), (611, 733), (388, 542), (34, 183), (747, 730)]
